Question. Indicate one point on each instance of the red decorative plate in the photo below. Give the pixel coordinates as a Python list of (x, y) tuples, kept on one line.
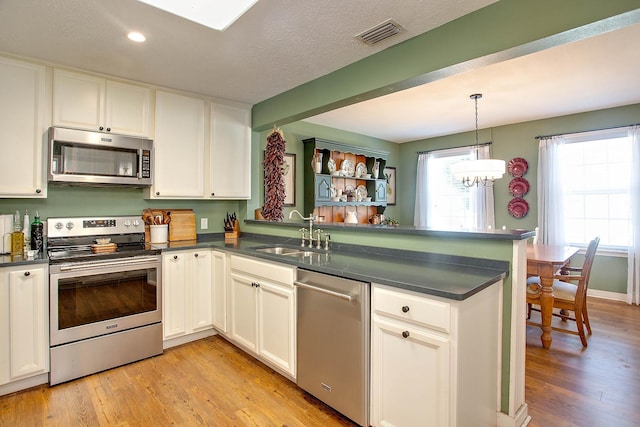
[(518, 207), (517, 166), (518, 187)]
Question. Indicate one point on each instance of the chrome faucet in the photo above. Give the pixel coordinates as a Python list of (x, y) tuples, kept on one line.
[(310, 218)]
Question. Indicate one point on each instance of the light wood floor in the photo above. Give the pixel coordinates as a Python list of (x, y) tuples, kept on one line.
[(596, 386), (210, 382)]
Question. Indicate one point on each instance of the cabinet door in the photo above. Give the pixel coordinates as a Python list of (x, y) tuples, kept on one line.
[(323, 188), (127, 109), (201, 290), (174, 295), (219, 285), (381, 190), (24, 326), (410, 376), (276, 323), (230, 152), (179, 147), (78, 100), (243, 317), (23, 121)]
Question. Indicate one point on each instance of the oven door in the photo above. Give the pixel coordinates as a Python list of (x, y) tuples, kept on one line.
[(90, 299)]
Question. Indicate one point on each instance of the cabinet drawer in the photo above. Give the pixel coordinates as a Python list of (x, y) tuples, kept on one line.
[(413, 308), (268, 270)]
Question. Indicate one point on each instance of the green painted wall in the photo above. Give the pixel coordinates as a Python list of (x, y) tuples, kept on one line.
[(80, 201), (518, 140), (294, 133)]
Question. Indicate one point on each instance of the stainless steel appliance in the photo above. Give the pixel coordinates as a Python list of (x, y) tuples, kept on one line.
[(333, 342), (80, 157), (105, 299)]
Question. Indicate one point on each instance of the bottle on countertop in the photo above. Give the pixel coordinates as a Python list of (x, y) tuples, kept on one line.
[(26, 230), (17, 238), (37, 238)]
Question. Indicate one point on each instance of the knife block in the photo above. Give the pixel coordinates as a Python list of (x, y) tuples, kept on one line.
[(234, 234)]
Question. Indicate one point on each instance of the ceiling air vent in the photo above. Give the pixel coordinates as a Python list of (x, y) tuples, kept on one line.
[(380, 32)]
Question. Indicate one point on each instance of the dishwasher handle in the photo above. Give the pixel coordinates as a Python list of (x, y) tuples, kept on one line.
[(345, 297)]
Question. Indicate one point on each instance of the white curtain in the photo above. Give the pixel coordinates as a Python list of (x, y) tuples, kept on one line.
[(633, 281), (550, 194), (422, 193), (483, 197)]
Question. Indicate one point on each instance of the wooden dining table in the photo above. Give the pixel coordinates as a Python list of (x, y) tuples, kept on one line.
[(545, 261)]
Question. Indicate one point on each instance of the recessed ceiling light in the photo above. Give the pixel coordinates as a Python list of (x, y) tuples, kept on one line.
[(216, 14), (136, 36)]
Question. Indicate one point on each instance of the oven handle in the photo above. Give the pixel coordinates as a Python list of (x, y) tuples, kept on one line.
[(108, 263)]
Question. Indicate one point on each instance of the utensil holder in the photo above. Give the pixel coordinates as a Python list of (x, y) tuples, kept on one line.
[(159, 233)]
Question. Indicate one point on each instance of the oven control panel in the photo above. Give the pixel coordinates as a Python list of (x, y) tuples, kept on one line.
[(83, 226)]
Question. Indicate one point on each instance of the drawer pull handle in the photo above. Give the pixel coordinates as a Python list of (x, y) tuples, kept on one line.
[(195, 255), (405, 334), (27, 273), (175, 257), (405, 309)]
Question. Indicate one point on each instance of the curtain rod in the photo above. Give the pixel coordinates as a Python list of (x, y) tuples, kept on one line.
[(451, 148), (584, 131)]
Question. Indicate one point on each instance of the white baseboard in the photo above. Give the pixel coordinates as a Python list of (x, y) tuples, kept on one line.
[(24, 384), (188, 338), (615, 296), (520, 419)]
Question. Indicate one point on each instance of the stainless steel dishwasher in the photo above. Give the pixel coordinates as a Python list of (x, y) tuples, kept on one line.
[(333, 342)]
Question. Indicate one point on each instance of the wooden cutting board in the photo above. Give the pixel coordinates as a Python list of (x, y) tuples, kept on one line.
[(181, 227)]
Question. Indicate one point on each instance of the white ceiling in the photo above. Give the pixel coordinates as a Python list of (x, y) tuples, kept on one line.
[(592, 74), (280, 44)]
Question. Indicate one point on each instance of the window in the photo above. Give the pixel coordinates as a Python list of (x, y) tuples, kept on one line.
[(596, 179), (449, 201), (442, 202)]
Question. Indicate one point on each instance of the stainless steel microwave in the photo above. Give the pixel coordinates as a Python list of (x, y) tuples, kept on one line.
[(80, 157)]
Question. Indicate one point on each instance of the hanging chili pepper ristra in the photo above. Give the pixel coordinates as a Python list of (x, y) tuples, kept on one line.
[(274, 190)]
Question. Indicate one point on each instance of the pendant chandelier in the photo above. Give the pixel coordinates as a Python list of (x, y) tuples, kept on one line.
[(478, 171)]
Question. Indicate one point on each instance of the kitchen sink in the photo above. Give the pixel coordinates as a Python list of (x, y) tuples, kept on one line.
[(279, 250)]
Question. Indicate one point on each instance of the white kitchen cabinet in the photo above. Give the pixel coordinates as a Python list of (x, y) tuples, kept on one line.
[(88, 102), (179, 147), (219, 282), (24, 322), (24, 118), (434, 361), (262, 311), (230, 152), (187, 292)]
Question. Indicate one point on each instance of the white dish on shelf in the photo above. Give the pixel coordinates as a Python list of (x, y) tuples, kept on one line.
[(367, 176), (331, 165), (347, 167), (361, 192), (361, 169)]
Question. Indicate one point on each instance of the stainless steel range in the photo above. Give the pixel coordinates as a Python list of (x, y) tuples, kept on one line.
[(105, 288)]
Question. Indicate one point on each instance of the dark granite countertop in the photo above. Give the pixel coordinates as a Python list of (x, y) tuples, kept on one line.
[(447, 276), (12, 260)]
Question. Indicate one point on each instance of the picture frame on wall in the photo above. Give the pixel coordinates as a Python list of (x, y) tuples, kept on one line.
[(289, 174), (390, 175)]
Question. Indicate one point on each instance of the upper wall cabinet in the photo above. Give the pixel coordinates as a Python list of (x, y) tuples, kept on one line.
[(178, 147), (190, 165), (24, 118), (230, 152), (87, 102)]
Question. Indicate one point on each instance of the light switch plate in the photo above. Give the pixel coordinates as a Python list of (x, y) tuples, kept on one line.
[(204, 223)]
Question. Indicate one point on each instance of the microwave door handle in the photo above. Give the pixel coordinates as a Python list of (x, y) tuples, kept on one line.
[(140, 152)]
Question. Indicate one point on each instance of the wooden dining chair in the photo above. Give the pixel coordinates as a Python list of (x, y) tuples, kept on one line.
[(567, 296)]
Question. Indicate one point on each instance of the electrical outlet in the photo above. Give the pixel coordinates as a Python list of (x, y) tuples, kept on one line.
[(204, 223)]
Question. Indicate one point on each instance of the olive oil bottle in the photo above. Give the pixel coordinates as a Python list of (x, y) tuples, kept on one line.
[(17, 237)]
